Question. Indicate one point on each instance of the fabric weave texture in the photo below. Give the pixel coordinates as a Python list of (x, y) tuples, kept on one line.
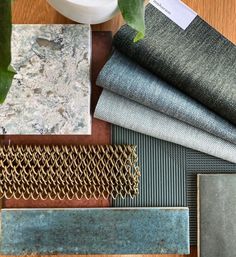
[(129, 114), (198, 60), (126, 78)]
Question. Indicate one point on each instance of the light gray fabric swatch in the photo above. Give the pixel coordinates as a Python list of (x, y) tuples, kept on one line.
[(126, 78), (217, 215), (129, 114)]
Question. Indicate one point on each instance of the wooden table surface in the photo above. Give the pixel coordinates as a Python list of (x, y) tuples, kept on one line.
[(221, 14)]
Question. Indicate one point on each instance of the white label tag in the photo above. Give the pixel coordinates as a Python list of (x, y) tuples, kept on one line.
[(175, 10)]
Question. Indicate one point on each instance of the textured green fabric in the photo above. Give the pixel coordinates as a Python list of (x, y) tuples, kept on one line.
[(198, 60), (129, 114)]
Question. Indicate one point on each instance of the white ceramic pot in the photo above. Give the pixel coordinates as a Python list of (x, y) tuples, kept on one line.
[(86, 11)]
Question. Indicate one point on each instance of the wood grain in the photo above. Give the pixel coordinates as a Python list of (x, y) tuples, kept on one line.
[(219, 13)]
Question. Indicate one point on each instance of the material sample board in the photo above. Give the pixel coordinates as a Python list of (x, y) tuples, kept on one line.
[(216, 215), (95, 231), (169, 173), (51, 91)]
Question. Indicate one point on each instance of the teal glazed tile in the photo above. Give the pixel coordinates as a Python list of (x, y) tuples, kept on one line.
[(95, 231), (200, 163), (50, 93), (217, 215)]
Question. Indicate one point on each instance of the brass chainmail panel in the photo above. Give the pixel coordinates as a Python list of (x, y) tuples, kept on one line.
[(67, 172)]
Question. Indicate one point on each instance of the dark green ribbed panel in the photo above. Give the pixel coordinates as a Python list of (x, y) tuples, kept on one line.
[(200, 163), (162, 171), (169, 173)]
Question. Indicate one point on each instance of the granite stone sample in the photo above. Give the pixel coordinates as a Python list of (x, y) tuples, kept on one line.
[(51, 91), (95, 231), (216, 215)]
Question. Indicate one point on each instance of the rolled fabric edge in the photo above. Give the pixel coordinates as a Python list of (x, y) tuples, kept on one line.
[(131, 115)]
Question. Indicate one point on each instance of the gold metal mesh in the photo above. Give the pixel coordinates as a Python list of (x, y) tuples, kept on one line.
[(68, 171)]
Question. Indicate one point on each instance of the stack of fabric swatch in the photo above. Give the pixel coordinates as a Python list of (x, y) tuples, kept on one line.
[(174, 85)]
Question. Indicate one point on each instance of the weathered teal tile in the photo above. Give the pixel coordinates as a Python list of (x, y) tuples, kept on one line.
[(217, 215), (200, 163), (95, 231)]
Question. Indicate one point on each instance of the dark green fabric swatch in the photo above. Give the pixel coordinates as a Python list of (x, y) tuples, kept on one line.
[(198, 60)]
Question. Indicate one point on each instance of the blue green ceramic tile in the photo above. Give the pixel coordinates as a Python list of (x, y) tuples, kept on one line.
[(199, 163), (95, 231), (216, 212)]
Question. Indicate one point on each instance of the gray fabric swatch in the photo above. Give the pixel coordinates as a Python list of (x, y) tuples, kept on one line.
[(129, 114), (126, 78), (217, 219), (162, 163), (198, 60)]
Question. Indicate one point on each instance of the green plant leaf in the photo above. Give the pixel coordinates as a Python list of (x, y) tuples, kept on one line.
[(6, 71), (133, 13)]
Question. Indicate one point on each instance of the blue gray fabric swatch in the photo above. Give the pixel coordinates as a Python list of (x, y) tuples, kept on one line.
[(95, 231), (217, 219), (126, 78), (198, 60), (129, 114)]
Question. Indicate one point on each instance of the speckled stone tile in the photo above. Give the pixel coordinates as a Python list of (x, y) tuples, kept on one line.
[(51, 91), (94, 231)]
